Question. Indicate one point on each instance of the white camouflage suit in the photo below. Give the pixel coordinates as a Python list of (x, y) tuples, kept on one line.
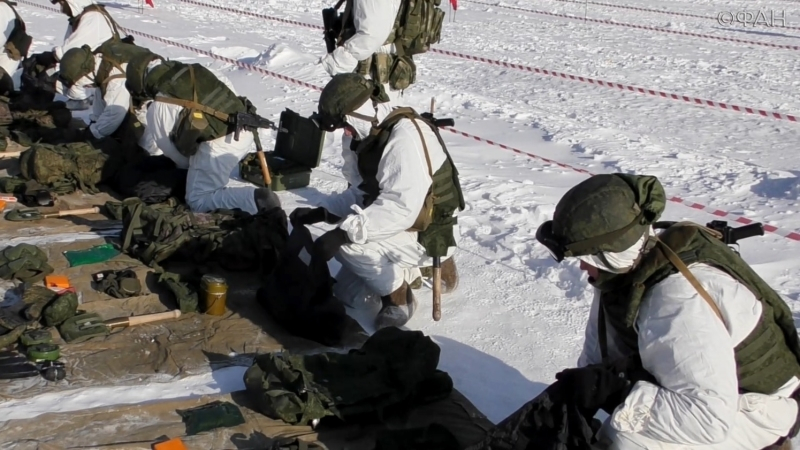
[(211, 181), (109, 110), (7, 19), (93, 29), (382, 254), (690, 351), (373, 20)]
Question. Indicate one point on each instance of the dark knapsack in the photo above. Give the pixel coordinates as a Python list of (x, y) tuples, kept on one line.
[(394, 370), (299, 296), (155, 179)]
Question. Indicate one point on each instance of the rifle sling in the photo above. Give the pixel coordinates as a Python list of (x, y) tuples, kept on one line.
[(194, 105)]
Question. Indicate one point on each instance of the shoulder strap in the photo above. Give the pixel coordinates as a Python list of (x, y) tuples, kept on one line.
[(193, 104), (676, 261)]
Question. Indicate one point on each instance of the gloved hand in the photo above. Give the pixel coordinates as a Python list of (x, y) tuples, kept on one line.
[(310, 216), (329, 243), (603, 385)]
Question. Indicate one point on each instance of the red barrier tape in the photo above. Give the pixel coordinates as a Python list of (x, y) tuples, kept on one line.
[(789, 234), (640, 27), (567, 76), (658, 11)]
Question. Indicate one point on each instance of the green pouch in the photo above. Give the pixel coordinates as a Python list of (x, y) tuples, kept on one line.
[(403, 74), (119, 283), (11, 336), (96, 254), (82, 327), (184, 294), (208, 417), (62, 308), (296, 444), (36, 337)]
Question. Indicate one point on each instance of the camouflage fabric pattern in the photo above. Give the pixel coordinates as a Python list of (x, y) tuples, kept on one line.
[(11, 336), (185, 293), (76, 64), (82, 327), (76, 162), (24, 262), (60, 309), (345, 93), (36, 298), (606, 203)]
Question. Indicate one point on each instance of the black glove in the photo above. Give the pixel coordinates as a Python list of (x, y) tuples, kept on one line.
[(603, 385), (46, 59), (329, 243), (310, 216)]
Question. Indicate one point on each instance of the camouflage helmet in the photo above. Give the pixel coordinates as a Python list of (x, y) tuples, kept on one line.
[(606, 213), (344, 94), (76, 64), (136, 71)]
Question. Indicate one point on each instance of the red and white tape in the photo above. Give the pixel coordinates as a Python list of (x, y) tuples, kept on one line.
[(657, 11), (610, 84), (641, 27), (789, 234)]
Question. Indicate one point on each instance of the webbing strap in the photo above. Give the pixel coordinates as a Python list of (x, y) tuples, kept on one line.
[(193, 105), (676, 261)]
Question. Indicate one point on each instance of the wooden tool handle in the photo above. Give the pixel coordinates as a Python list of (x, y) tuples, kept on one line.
[(9, 154), (77, 212), (437, 289), (147, 318), (264, 169)]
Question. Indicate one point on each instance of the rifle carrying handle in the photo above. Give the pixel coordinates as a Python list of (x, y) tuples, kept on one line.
[(78, 212), (147, 318)]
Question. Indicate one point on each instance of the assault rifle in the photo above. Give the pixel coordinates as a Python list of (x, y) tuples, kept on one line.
[(730, 235), (253, 122), (332, 22)]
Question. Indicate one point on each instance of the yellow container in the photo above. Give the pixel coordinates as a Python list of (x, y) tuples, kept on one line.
[(214, 290)]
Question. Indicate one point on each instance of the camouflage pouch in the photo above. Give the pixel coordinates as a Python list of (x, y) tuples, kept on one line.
[(60, 309), (82, 327), (25, 262), (403, 73), (208, 417), (184, 294), (381, 67), (296, 444), (190, 129), (12, 185), (36, 337), (36, 297)]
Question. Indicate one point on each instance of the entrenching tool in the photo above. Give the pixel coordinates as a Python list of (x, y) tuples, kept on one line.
[(437, 272), (121, 322), (252, 122), (24, 214), (4, 155)]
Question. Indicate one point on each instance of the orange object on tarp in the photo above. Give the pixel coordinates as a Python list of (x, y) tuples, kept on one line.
[(57, 281), (172, 444)]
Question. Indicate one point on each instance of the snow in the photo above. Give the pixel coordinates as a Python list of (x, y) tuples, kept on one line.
[(518, 317)]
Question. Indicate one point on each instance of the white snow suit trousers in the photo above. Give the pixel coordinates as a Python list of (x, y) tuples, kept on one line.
[(760, 422)]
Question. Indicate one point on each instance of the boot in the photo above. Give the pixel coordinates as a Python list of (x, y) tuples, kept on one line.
[(398, 308), (266, 199)]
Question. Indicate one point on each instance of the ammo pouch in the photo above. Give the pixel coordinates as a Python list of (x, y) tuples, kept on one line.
[(82, 327), (189, 131), (399, 72)]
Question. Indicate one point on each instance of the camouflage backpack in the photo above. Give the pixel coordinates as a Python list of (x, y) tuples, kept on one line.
[(78, 162), (234, 239), (205, 99)]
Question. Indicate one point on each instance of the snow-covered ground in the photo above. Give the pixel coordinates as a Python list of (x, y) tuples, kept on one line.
[(518, 317)]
